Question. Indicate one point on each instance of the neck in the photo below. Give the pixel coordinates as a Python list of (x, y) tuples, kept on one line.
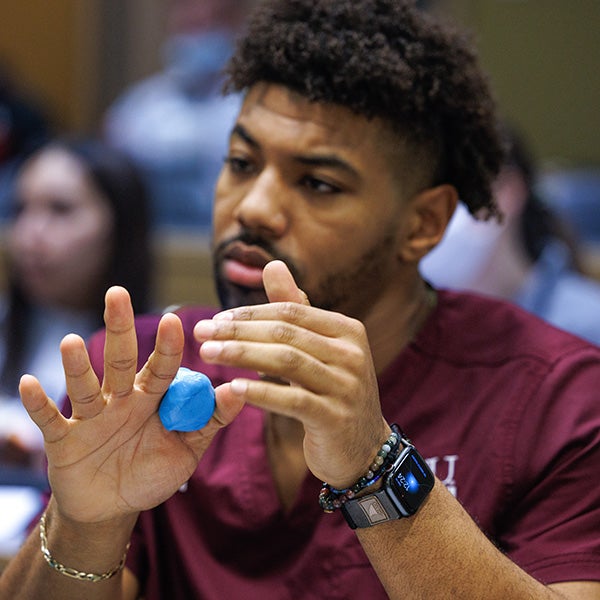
[(396, 320)]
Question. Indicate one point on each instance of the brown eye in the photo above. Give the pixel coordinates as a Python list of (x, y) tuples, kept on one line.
[(238, 165), (319, 186)]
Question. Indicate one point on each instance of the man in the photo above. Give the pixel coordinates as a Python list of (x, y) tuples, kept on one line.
[(362, 124)]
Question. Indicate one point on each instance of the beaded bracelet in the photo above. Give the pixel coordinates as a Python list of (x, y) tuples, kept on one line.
[(68, 571), (331, 498)]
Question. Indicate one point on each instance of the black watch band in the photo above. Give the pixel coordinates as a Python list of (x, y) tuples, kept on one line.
[(370, 510), (405, 487)]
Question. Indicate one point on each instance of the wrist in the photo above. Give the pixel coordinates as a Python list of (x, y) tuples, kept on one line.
[(90, 548), (406, 485), (363, 462), (331, 498)]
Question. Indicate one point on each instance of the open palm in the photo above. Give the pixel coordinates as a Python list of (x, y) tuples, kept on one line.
[(113, 456)]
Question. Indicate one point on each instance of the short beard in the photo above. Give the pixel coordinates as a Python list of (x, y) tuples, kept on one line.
[(352, 292)]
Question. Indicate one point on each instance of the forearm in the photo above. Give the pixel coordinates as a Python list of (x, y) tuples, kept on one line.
[(88, 548), (440, 553)]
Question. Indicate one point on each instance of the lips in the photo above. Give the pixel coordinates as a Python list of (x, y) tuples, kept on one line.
[(243, 265)]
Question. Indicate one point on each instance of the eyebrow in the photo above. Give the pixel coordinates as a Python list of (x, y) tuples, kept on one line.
[(241, 131), (328, 161), (325, 160)]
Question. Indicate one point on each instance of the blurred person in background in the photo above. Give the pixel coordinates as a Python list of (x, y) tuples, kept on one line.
[(79, 226), (175, 123), (530, 258)]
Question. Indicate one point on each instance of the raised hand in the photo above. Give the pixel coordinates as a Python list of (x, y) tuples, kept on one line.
[(113, 456), (327, 359)]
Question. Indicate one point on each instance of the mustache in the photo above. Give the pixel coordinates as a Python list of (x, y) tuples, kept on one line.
[(250, 238)]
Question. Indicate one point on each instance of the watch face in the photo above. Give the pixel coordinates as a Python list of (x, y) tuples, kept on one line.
[(411, 481)]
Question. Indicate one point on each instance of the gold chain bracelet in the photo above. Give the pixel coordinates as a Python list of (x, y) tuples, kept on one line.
[(68, 571)]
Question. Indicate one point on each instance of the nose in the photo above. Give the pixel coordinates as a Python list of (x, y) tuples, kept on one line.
[(264, 205)]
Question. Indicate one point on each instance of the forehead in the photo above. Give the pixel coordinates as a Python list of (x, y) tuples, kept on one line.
[(281, 118), (56, 174), (52, 169)]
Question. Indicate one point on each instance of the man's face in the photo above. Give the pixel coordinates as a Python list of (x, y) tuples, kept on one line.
[(314, 186)]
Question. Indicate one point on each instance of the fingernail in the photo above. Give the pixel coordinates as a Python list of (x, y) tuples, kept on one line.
[(224, 316), (211, 349), (204, 329), (239, 386)]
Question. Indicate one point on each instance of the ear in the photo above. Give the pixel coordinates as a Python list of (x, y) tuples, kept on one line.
[(429, 216)]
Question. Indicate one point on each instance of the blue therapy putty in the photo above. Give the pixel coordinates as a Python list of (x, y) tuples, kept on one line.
[(189, 402)]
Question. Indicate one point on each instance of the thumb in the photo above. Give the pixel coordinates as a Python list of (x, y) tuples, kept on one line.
[(280, 285)]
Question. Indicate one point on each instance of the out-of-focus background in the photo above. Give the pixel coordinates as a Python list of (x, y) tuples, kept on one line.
[(77, 56)]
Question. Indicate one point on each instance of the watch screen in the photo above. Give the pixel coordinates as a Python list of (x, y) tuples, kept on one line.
[(411, 481)]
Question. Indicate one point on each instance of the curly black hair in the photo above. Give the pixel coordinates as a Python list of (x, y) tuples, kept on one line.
[(386, 59)]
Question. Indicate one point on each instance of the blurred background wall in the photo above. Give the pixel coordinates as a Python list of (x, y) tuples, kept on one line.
[(542, 56), (76, 56)]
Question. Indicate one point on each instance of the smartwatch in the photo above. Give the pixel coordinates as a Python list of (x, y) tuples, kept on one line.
[(404, 489)]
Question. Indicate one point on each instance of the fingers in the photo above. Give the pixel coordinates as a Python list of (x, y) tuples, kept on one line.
[(328, 426), (290, 401), (322, 322), (280, 285), (228, 405), (42, 410), (327, 337), (321, 347), (83, 387), (120, 350), (287, 338), (280, 361), (161, 367)]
